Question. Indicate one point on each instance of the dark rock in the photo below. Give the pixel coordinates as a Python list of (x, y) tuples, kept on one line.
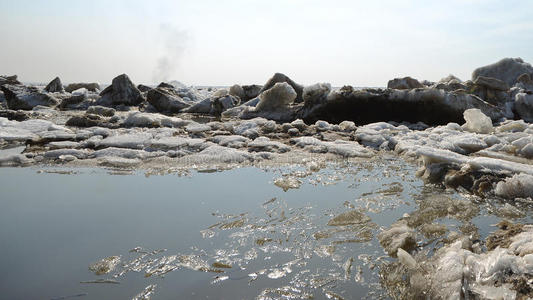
[(405, 83), (26, 98), (9, 80), (143, 88), (279, 77), (491, 83), (200, 107), (492, 90), (92, 87), (251, 91), (165, 85), (525, 82), (55, 86), (450, 83), (84, 121), (101, 111), (431, 106), (121, 91), (523, 106), (72, 102), (507, 70), (237, 91), (89, 120), (316, 93), (166, 100), (221, 104), (16, 115)]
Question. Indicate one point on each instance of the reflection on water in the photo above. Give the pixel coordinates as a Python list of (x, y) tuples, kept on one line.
[(298, 232)]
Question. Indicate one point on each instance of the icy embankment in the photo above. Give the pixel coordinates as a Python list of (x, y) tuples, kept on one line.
[(460, 270)]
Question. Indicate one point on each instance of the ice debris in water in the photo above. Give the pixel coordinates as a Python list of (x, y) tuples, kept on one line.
[(518, 186), (398, 236), (503, 272), (146, 294), (105, 265), (349, 218), (476, 121), (288, 182)]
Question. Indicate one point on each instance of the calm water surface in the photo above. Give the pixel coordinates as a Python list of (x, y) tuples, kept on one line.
[(278, 243)]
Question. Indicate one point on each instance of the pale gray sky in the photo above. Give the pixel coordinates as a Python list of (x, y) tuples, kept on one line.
[(209, 42)]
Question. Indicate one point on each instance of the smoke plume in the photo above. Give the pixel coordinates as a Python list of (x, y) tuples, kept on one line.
[(174, 44)]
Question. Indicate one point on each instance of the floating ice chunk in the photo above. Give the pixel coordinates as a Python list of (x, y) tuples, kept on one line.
[(14, 160), (232, 141), (57, 135), (339, 147), (518, 186), (197, 128), (91, 142), (244, 126), (476, 121), (219, 154), (348, 149), (119, 152), (104, 132), (512, 126), (130, 140), (174, 122), (265, 144), (140, 119), (119, 162), (55, 154), (63, 144), (305, 141), (36, 125), (176, 143)]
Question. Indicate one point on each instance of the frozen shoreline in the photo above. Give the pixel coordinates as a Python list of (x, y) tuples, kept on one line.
[(478, 141)]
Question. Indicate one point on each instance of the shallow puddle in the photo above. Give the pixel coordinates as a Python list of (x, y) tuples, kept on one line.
[(296, 232)]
